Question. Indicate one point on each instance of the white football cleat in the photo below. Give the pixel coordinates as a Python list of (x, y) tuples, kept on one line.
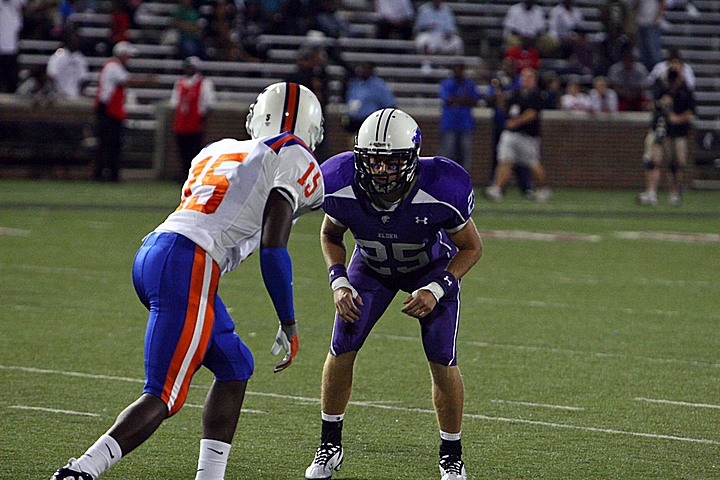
[(493, 193), (452, 468), (543, 195), (675, 199), (328, 457), (648, 198), (71, 472)]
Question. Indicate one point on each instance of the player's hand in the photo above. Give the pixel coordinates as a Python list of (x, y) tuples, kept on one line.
[(346, 304), (419, 304), (286, 340)]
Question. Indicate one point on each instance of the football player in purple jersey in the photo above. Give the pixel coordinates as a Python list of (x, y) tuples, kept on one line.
[(411, 221)]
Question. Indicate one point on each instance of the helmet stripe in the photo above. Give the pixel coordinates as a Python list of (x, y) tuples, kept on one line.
[(377, 126), (290, 109), (387, 124)]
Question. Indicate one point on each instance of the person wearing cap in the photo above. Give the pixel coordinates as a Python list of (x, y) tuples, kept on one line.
[(110, 111), (193, 97)]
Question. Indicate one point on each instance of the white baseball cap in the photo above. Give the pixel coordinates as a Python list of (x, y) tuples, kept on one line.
[(124, 48)]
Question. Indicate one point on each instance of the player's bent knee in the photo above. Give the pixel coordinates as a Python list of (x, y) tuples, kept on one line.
[(649, 163)]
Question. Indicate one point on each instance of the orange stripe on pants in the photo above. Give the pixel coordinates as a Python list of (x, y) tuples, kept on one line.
[(180, 370)]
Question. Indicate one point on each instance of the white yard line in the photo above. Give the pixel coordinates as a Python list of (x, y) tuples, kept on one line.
[(244, 410), (54, 410), (675, 402), (383, 406), (541, 405), (14, 232), (564, 351)]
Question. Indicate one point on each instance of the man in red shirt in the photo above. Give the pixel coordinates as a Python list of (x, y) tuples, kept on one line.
[(110, 112), (193, 96)]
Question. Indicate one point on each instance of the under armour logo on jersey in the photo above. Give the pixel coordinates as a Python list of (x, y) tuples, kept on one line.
[(385, 218), (447, 280), (423, 220)]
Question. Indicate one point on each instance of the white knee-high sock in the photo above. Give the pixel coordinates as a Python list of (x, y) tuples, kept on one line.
[(104, 453), (213, 459)]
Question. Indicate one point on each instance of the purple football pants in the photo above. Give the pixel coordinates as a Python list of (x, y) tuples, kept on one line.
[(439, 329)]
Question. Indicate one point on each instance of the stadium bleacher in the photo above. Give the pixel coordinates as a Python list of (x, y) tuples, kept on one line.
[(480, 22)]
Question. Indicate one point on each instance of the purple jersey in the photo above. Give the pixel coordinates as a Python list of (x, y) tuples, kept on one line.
[(406, 242)]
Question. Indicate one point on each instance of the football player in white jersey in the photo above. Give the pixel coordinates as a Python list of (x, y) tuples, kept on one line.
[(240, 196)]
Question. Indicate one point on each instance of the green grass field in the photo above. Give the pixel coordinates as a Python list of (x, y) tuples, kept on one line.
[(593, 354)]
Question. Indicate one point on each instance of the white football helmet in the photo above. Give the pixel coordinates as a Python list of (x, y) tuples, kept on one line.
[(392, 137), (286, 107)]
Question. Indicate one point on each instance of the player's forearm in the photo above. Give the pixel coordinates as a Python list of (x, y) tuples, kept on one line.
[(463, 261), (333, 250)]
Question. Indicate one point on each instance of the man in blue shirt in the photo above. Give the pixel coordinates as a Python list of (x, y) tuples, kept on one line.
[(366, 93), (459, 95)]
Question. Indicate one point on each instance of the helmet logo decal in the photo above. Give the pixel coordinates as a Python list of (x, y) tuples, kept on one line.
[(417, 138), (267, 120)]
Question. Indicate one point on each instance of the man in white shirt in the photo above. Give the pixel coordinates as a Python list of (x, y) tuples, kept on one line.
[(527, 20), (11, 23), (564, 21), (395, 18), (67, 68), (659, 71), (649, 15)]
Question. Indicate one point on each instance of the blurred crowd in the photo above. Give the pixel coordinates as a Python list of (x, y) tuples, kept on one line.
[(611, 70)]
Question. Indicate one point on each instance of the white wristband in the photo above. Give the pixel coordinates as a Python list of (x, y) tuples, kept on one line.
[(343, 282), (434, 288)]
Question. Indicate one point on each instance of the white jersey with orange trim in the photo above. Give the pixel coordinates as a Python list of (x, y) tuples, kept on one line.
[(223, 199)]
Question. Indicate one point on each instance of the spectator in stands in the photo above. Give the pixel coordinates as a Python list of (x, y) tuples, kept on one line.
[(365, 93), (459, 95), (311, 72), (119, 23), (649, 15), (11, 23), (616, 18), (564, 22), (330, 23), (574, 98), (660, 70), (527, 20), (38, 19), (35, 85), (193, 97), (221, 40), (520, 141), (551, 89), (272, 16), (67, 68), (396, 19), (602, 97), (524, 55), (186, 20), (628, 78), (667, 142), (65, 10), (436, 31)]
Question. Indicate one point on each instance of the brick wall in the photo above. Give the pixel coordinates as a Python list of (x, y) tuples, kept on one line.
[(578, 150)]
